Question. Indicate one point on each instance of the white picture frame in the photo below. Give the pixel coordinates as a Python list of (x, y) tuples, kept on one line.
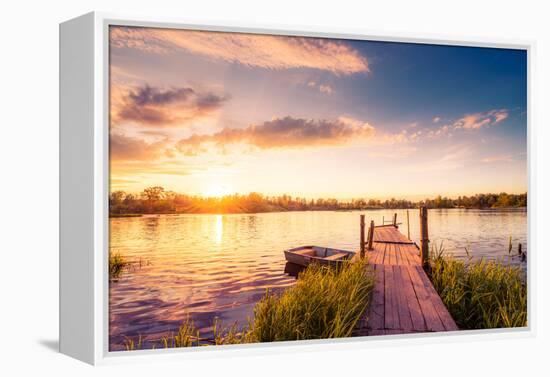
[(84, 177)]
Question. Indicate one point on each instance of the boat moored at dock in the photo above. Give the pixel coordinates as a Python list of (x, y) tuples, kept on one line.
[(305, 255)]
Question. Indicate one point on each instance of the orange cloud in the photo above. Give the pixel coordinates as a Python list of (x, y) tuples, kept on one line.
[(285, 132), (126, 148), (479, 120), (152, 106), (255, 50)]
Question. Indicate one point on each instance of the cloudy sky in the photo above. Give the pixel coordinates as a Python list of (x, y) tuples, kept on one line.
[(217, 113)]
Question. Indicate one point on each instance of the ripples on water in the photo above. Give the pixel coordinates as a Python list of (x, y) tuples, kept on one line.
[(209, 266)]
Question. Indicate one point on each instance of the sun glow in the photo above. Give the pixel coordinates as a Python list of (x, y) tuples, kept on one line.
[(217, 191)]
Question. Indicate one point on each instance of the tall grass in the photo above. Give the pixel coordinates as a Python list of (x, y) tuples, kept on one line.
[(480, 294), (324, 303), (188, 335)]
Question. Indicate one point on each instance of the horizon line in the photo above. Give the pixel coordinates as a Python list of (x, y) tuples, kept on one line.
[(422, 196)]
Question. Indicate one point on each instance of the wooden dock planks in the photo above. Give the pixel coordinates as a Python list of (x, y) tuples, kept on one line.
[(404, 300), (388, 234)]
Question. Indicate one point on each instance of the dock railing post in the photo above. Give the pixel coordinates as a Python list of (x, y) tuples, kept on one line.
[(371, 234), (424, 238), (362, 246), (395, 220), (408, 226)]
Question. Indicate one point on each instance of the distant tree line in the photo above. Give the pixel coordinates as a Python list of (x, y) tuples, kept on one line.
[(158, 200)]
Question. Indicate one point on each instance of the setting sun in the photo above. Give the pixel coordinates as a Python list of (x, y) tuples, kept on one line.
[(216, 191)]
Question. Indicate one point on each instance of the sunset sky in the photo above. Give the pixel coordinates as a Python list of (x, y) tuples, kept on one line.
[(218, 113)]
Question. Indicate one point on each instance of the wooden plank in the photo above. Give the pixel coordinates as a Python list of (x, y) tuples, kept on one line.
[(405, 321), (405, 255), (417, 318), (398, 258), (376, 312), (387, 253), (375, 254), (412, 254), (382, 254), (390, 234), (433, 323), (393, 255), (391, 314), (440, 308)]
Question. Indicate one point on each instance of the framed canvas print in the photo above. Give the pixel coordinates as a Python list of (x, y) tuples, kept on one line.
[(228, 188)]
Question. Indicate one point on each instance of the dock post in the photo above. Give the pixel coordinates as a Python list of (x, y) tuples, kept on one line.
[(408, 227), (362, 246), (371, 234), (424, 239), (395, 220)]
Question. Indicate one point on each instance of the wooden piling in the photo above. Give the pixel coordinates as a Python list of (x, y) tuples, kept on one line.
[(362, 246), (424, 238), (395, 220), (371, 234), (408, 226)]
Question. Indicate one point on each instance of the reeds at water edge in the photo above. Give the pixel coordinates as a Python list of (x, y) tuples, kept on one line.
[(117, 264), (324, 303), (480, 294)]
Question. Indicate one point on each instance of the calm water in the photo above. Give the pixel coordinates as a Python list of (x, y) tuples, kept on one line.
[(209, 266)]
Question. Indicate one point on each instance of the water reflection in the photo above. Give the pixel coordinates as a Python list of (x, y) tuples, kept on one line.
[(183, 276), (219, 229)]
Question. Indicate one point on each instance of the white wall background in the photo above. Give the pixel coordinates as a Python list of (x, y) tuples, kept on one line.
[(29, 188)]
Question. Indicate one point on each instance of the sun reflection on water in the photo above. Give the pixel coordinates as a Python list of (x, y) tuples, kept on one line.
[(219, 229)]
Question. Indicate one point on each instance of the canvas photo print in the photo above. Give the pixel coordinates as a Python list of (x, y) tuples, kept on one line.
[(268, 188)]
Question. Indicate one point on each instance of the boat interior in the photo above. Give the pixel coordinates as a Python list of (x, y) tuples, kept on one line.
[(322, 252)]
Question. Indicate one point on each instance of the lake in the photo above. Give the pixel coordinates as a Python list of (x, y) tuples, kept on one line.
[(219, 266)]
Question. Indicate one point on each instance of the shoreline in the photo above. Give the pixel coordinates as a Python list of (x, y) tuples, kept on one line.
[(123, 215)]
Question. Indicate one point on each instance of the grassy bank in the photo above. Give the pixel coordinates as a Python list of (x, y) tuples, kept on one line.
[(481, 294), (324, 303)]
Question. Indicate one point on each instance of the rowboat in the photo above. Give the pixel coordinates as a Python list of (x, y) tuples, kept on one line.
[(304, 255)]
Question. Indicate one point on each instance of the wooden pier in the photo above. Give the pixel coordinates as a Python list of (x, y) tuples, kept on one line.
[(404, 300)]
